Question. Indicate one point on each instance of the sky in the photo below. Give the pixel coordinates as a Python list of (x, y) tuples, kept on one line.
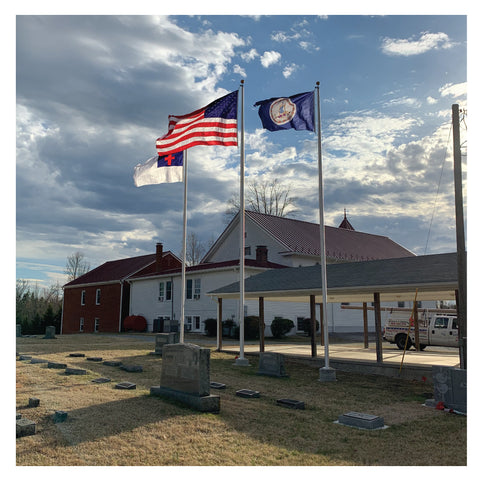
[(93, 93)]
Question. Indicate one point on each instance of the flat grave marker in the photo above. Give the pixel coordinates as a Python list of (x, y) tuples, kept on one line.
[(78, 355), (361, 420), (217, 385), (101, 380), (75, 371), (245, 393), (125, 386), (94, 359), (112, 363), (289, 403)]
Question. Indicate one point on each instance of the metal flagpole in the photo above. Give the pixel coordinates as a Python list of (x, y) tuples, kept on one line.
[(241, 360), (326, 373), (182, 294)]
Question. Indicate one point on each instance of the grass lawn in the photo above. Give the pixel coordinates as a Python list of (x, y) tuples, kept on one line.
[(106, 426)]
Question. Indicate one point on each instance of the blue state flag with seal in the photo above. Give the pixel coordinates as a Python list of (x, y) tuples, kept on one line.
[(282, 113)]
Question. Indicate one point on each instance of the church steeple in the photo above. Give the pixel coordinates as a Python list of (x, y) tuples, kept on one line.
[(345, 223)]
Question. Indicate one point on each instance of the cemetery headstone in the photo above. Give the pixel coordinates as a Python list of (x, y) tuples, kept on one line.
[(450, 387), (132, 368), (25, 427), (75, 371), (77, 355), (56, 365), (271, 364), (245, 393), (38, 360), (288, 403), (101, 380), (60, 416), (112, 363), (94, 359), (33, 402), (25, 357), (125, 386), (162, 339), (50, 332), (217, 385), (186, 377), (361, 420)]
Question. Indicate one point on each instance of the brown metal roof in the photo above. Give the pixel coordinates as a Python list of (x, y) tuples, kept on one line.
[(114, 270), (341, 244)]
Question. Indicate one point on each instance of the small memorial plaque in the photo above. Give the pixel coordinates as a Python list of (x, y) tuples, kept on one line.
[(132, 368), (287, 402), (217, 386), (75, 371), (56, 365), (361, 420), (125, 386), (101, 380), (245, 393), (112, 363)]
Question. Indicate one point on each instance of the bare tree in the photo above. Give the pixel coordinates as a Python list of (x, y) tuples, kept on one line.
[(195, 250), (271, 198), (76, 266)]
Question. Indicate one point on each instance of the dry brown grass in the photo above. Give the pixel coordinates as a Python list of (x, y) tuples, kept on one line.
[(106, 426)]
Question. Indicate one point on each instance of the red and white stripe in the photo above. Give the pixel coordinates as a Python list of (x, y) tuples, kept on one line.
[(193, 129)]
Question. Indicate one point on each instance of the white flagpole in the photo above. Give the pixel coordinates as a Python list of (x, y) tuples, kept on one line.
[(241, 360), (182, 294), (326, 373)]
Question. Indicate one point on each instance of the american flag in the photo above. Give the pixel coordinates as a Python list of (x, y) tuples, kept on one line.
[(215, 124)]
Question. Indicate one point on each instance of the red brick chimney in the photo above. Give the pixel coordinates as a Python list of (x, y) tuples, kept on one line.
[(262, 255), (158, 258)]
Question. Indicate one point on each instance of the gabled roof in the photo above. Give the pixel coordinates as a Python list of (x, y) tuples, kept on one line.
[(299, 237), (115, 270)]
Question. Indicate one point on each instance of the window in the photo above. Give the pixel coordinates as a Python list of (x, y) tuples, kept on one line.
[(192, 322), (164, 291), (248, 250), (161, 292), (82, 298), (193, 289), (169, 290), (441, 322), (196, 293), (97, 324), (97, 297), (82, 323), (400, 304)]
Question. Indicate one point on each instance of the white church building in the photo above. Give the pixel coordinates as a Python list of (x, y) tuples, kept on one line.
[(270, 243)]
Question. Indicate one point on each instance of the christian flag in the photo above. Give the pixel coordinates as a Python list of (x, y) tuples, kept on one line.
[(215, 124), (166, 169), (282, 113)]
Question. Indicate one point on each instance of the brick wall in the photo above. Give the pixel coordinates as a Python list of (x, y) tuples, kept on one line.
[(107, 312)]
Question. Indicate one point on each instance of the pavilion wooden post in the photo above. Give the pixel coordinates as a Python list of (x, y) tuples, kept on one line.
[(322, 342), (378, 326), (261, 314), (219, 323), (313, 326), (365, 325), (415, 323)]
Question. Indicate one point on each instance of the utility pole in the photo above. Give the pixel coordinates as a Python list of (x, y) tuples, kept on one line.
[(461, 252)]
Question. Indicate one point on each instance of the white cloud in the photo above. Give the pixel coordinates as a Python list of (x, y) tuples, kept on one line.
[(239, 70), (289, 69), (270, 58), (250, 55), (454, 90), (431, 100), (406, 47)]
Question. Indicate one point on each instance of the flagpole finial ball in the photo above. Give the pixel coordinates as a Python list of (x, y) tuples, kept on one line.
[(242, 81), (318, 83)]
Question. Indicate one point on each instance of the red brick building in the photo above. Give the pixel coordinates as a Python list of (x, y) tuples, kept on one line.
[(98, 301)]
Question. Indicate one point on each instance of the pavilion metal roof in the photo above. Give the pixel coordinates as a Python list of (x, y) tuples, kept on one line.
[(433, 276)]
